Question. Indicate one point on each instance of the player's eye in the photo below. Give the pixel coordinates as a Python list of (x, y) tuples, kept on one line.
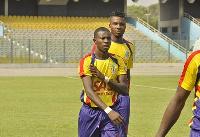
[(122, 24), (104, 38), (109, 38)]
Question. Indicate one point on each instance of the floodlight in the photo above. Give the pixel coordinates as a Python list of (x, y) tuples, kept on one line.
[(105, 0), (191, 1), (163, 1)]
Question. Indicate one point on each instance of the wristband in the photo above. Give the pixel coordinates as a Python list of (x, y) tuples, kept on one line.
[(107, 110), (106, 79)]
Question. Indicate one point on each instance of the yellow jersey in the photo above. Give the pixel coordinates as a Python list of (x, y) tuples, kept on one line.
[(190, 79), (111, 67)]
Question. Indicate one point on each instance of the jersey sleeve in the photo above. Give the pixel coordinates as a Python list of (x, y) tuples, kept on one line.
[(83, 68), (130, 61), (189, 74), (94, 47), (122, 66)]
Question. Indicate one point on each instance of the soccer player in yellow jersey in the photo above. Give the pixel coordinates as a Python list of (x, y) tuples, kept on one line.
[(123, 48), (188, 80), (104, 77)]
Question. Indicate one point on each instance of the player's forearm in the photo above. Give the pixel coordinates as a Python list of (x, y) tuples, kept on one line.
[(87, 82), (173, 111), (128, 75), (95, 99), (120, 88), (170, 117), (128, 78)]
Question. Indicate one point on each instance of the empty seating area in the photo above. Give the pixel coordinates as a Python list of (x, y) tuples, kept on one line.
[(51, 34), (66, 39), (55, 23), (53, 27)]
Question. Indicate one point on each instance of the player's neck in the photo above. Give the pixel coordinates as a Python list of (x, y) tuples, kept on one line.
[(117, 40), (101, 55)]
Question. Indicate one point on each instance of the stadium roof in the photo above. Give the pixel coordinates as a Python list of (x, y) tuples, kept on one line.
[(53, 2)]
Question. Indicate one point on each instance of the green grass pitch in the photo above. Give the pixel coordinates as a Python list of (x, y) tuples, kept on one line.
[(49, 106)]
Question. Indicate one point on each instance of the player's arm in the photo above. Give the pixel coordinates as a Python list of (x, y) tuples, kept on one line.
[(114, 116), (119, 87), (173, 111), (130, 65), (128, 77)]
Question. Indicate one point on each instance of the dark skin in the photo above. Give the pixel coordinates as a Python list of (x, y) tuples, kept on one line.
[(173, 111), (118, 26), (103, 41)]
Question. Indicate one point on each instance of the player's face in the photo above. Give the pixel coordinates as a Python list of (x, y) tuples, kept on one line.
[(103, 41), (117, 26)]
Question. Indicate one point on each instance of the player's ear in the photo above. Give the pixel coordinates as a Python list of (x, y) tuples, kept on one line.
[(94, 40)]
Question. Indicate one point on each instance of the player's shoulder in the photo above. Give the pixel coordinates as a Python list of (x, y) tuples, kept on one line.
[(195, 54), (117, 57), (114, 55), (86, 56), (128, 42), (194, 57), (130, 45)]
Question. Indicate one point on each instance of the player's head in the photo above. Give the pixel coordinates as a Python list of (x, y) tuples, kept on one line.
[(117, 23), (102, 39)]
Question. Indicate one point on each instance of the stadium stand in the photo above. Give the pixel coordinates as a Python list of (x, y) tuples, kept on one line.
[(54, 22), (66, 39)]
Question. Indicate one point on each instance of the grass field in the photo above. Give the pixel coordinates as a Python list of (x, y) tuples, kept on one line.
[(49, 106)]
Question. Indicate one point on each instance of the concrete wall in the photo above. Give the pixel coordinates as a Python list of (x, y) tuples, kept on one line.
[(166, 45), (2, 5), (190, 29), (96, 8)]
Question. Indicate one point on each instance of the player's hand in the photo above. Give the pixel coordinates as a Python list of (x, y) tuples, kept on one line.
[(116, 118), (95, 72)]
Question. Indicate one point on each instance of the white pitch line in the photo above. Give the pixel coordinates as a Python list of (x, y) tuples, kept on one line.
[(154, 87), (133, 85), (71, 77)]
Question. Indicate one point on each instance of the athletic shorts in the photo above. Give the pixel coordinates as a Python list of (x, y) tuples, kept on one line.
[(94, 122), (194, 133), (123, 107)]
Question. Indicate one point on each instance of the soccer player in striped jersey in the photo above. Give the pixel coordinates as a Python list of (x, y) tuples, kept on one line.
[(104, 77), (123, 48), (188, 80)]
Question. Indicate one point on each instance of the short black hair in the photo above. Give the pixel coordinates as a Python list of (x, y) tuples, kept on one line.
[(100, 29), (117, 13)]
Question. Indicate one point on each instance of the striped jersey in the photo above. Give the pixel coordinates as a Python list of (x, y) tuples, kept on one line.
[(110, 67), (124, 49), (189, 80)]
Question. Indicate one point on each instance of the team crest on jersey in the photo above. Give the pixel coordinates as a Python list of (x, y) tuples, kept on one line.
[(127, 54), (113, 69)]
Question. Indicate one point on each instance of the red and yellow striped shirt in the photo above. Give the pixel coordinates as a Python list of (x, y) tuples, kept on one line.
[(189, 80), (110, 67)]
